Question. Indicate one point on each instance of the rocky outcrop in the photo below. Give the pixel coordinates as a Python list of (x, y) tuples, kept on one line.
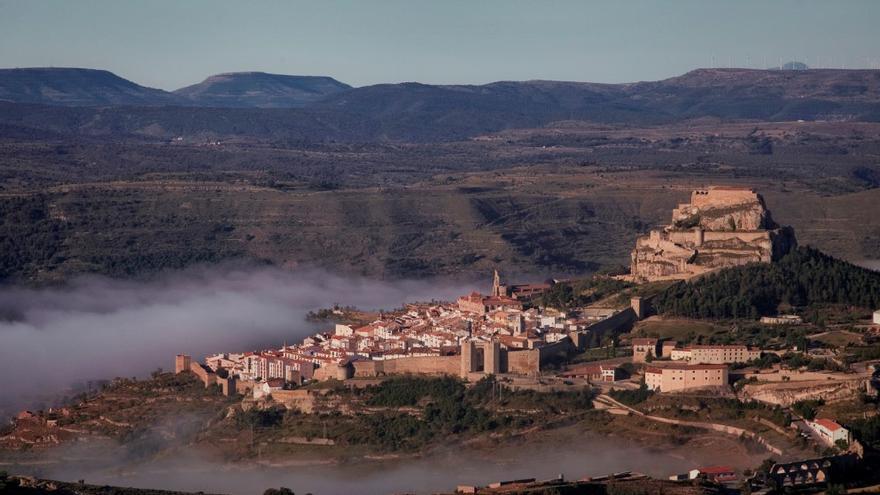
[(787, 393), (720, 227)]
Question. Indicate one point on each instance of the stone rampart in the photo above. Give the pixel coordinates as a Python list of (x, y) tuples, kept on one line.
[(427, 365)]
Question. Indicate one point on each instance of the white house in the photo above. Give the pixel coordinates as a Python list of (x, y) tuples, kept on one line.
[(877, 317), (830, 431), (343, 330)]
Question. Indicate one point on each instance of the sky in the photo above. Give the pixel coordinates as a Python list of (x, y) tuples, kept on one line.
[(173, 43)]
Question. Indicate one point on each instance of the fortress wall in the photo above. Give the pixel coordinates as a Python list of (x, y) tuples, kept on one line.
[(332, 373), (720, 196), (207, 377), (744, 235), (430, 365), (527, 362), (618, 322), (559, 348), (368, 368), (681, 236)]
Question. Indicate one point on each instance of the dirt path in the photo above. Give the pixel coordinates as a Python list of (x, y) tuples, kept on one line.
[(614, 407)]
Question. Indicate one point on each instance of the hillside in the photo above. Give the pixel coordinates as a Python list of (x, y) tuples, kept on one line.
[(259, 89), (76, 87), (547, 201), (803, 277), (413, 112)]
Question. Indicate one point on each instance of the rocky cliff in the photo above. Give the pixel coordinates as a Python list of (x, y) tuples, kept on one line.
[(719, 227)]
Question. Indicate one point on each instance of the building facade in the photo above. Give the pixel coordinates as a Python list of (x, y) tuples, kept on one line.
[(674, 377), (715, 354), (642, 348), (830, 431)]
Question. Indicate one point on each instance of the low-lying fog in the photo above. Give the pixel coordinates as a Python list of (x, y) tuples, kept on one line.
[(97, 328), (574, 456)]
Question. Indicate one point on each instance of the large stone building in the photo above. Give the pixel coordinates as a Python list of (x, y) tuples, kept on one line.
[(678, 376), (720, 227), (715, 354)]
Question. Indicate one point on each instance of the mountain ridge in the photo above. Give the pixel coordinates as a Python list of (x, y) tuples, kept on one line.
[(73, 86), (275, 107), (260, 90)]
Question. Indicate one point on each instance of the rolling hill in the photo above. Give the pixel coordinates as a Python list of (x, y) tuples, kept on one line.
[(264, 106), (261, 90), (76, 87)]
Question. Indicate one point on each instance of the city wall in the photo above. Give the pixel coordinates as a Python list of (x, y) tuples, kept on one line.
[(619, 322), (522, 362), (429, 365)]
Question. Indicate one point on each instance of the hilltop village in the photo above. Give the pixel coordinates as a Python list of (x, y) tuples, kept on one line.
[(475, 336), (609, 350)]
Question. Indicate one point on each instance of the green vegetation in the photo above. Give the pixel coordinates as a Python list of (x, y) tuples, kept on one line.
[(867, 431), (861, 353), (632, 397), (807, 408), (803, 277), (409, 412), (407, 391), (567, 295)]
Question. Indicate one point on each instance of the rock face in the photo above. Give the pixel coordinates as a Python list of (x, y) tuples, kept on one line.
[(720, 227), (787, 393)]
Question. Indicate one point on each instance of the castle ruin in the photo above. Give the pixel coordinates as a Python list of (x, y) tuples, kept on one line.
[(720, 227)]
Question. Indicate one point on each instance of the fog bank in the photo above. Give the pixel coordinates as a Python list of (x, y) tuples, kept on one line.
[(574, 455), (99, 328)]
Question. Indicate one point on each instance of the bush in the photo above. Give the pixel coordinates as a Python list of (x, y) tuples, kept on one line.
[(632, 397), (807, 408)]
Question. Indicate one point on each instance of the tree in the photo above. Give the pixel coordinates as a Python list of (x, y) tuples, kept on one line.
[(278, 491)]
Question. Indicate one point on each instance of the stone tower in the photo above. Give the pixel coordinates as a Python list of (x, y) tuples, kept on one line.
[(498, 289), (182, 363)]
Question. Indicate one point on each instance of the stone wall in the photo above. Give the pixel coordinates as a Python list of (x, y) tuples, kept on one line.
[(205, 375), (526, 362), (619, 322), (428, 365), (332, 372)]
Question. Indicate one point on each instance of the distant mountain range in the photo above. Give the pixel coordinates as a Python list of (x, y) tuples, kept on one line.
[(276, 107), (258, 89), (76, 87), (90, 87)]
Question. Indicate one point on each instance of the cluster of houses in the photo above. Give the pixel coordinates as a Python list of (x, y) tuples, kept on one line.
[(421, 330)]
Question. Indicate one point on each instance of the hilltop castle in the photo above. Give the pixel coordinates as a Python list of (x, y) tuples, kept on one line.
[(720, 227)]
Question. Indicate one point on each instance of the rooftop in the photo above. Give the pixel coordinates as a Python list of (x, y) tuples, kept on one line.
[(828, 424)]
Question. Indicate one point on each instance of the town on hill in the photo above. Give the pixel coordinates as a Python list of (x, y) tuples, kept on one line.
[(723, 327)]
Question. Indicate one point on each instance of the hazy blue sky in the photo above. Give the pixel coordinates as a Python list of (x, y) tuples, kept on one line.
[(169, 44)]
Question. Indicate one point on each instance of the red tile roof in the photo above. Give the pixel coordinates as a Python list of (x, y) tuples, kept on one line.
[(828, 424)]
